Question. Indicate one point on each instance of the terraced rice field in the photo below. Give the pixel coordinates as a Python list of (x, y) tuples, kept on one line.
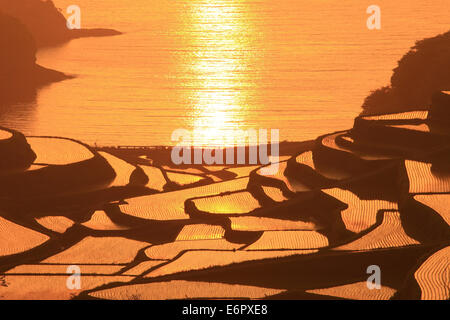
[(183, 178), (360, 214), (100, 221), (156, 178), (240, 231), (170, 206), (183, 290), (169, 251), (289, 240), (105, 250), (274, 193), (419, 127), (410, 115), (437, 202), (292, 185), (329, 141), (242, 171), (423, 179), (4, 135), (306, 159), (183, 170), (36, 167), (122, 169), (38, 287), (16, 238), (356, 291), (58, 224), (269, 224), (234, 203), (389, 234), (433, 276), (58, 151), (141, 268), (200, 232), (42, 269), (200, 260)]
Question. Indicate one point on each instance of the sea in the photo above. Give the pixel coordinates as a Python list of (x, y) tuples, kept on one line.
[(219, 67)]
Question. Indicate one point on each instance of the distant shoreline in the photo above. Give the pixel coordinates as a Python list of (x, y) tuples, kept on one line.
[(47, 24), (163, 153), (22, 34)]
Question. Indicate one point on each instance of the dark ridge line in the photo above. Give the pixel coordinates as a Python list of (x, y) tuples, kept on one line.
[(422, 222), (139, 258), (175, 186), (271, 181), (166, 179), (231, 235), (118, 217), (257, 192), (182, 188), (296, 170), (28, 223)]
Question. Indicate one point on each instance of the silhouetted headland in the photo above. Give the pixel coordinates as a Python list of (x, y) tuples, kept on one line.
[(424, 70), (20, 76), (46, 23)]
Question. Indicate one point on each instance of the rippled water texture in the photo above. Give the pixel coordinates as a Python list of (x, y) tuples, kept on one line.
[(214, 67)]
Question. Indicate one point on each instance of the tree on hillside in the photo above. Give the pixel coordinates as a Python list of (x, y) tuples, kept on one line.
[(421, 72)]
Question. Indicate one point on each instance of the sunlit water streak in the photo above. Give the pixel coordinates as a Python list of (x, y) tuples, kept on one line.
[(213, 67), (221, 35)]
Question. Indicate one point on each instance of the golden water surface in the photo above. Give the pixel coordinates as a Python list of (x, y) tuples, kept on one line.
[(214, 67)]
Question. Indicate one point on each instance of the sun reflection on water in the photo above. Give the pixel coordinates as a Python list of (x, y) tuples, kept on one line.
[(222, 38)]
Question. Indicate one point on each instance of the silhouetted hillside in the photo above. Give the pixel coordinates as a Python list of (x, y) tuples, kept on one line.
[(46, 23), (424, 70), (19, 73)]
